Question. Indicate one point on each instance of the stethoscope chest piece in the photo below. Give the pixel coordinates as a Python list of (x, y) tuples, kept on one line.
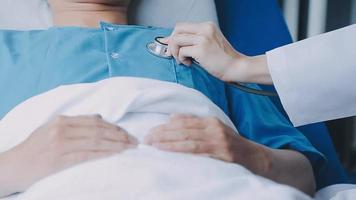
[(158, 48)]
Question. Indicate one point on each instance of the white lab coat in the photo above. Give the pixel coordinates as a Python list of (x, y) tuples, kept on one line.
[(316, 78)]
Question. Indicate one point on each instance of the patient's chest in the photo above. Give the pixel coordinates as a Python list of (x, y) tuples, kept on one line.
[(37, 61)]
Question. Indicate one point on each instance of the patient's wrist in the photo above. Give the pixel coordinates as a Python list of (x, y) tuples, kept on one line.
[(284, 164), (257, 158), (10, 174)]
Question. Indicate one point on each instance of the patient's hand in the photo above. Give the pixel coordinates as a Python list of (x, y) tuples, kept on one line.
[(207, 137), (62, 143), (210, 137)]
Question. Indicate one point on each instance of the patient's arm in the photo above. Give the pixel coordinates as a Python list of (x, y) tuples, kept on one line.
[(209, 136), (60, 144)]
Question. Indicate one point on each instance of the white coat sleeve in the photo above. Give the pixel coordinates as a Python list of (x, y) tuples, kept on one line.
[(316, 78)]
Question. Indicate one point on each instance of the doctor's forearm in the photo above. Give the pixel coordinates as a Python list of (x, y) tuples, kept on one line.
[(248, 69)]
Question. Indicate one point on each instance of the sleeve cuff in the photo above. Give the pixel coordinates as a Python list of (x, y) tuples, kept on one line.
[(283, 82)]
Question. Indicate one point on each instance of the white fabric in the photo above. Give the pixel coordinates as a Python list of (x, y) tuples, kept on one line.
[(336, 192), (25, 14), (345, 195), (112, 98), (315, 78), (35, 14), (143, 173), (166, 13)]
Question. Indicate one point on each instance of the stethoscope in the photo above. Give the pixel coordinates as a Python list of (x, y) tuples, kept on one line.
[(159, 49)]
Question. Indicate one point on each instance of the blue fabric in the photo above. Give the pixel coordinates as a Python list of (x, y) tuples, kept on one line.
[(36, 61), (254, 27)]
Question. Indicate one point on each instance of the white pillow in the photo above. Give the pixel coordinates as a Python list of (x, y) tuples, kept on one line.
[(35, 14), (24, 14), (166, 13)]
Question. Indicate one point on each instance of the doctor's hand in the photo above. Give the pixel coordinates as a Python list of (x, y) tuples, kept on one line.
[(205, 43), (64, 142), (208, 137)]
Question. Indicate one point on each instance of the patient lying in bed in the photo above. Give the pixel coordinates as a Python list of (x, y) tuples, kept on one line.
[(135, 105), (43, 60)]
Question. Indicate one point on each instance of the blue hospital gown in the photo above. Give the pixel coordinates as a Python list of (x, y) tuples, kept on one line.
[(33, 62)]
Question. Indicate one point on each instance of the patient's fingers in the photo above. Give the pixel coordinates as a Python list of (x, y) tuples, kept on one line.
[(195, 147), (92, 127), (85, 120), (176, 135), (115, 134), (180, 127), (179, 124)]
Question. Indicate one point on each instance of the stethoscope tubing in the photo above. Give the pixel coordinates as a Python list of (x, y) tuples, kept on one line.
[(254, 91)]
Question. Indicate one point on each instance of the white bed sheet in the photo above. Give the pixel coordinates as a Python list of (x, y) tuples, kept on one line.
[(337, 192), (333, 192), (143, 173)]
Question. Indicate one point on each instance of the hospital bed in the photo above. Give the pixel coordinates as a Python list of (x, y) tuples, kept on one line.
[(253, 27)]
